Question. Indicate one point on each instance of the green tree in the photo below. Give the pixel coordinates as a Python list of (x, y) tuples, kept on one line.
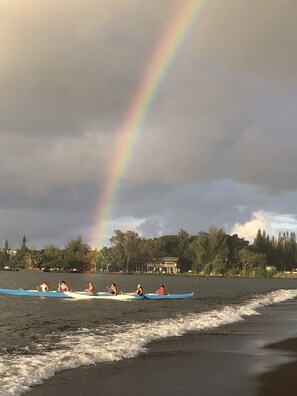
[(4, 255), (118, 260), (103, 259), (131, 248), (51, 257), (235, 244), (218, 250), (199, 251), (250, 259), (18, 259), (78, 256), (125, 249), (210, 248), (183, 251), (32, 259)]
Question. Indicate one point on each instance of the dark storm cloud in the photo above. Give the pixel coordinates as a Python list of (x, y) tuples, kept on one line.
[(218, 143)]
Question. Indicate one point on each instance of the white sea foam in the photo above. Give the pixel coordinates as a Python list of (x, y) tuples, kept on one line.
[(19, 373)]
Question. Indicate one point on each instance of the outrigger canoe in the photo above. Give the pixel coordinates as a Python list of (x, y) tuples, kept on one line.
[(85, 295)]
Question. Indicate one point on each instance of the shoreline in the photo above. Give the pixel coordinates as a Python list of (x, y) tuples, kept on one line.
[(241, 358), (281, 380), (204, 372), (278, 275)]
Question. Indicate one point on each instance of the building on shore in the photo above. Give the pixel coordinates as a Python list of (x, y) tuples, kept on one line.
[(164, 265)]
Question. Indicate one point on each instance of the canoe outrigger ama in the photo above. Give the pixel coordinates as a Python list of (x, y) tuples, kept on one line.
[(85, 295)]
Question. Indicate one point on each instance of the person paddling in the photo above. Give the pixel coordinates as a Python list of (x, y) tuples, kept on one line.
[(90, 288), (43, 287), (112, 289), (161, 290), (139, 290), (63, 287)]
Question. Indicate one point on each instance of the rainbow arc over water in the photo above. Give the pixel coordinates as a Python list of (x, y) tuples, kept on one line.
[(175, 33)]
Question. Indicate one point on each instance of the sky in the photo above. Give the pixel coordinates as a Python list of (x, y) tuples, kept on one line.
[(217, 145)]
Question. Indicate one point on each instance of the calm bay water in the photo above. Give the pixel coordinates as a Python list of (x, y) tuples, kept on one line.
[(40, 337)]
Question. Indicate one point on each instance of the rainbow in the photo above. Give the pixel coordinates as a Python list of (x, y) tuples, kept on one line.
[(174, 35)]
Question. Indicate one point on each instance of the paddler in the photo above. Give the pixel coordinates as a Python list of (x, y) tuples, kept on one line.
[(63, 287), (161, 290), (43, 287), (139, 290), (90, 288), (112, 289)]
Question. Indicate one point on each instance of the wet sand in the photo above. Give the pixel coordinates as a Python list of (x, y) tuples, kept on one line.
[(252, 357), (283, 379)]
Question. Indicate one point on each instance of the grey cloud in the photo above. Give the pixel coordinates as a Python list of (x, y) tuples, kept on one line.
[(43, 227), (254, 37), (70, 68), (219, 135)]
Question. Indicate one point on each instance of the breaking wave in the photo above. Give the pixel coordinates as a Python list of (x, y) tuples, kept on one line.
[(21, 370)]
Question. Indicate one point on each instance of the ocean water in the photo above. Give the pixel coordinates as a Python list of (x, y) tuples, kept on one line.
[(40, 337)]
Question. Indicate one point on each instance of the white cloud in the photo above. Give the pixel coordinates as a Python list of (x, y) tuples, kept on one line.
[(259, 221)]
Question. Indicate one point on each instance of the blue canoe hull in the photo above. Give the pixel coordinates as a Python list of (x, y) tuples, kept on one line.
[(85, 295), (33, 293), (167, 296)]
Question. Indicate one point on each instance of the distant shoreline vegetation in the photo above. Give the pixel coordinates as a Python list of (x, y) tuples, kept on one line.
[(212, 253)]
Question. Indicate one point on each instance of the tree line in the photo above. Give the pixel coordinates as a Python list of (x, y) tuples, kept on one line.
[(208, 253), (75, 256)]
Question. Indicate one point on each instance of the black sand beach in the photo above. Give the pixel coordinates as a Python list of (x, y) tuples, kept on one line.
[(283, 379), (252, 357)]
